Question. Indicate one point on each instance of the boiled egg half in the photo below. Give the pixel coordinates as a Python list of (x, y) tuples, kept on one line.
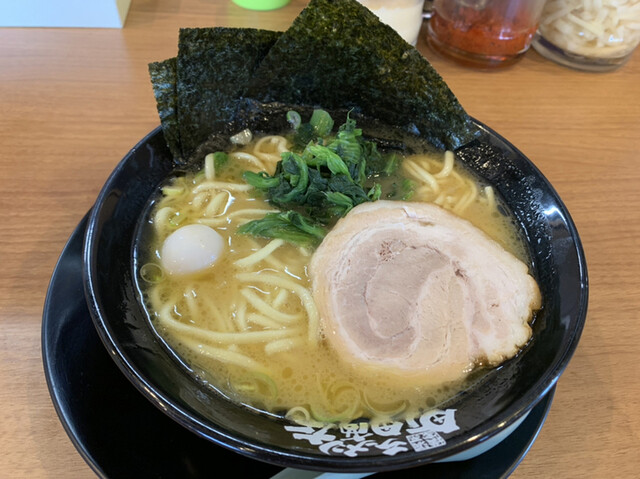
[(190, 249)]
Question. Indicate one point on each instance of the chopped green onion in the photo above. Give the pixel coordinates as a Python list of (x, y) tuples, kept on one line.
[(392, 164), (242, 138), (175, 220), (220, 158), (322, 122), (408, 189), (375, 192), (151, 273), (172, 190), (294, 119)]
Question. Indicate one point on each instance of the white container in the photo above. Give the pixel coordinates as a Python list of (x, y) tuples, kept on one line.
[(404, 16), (593, 35)]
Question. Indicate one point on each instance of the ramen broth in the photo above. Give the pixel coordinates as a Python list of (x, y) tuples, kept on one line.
[(246, 325)]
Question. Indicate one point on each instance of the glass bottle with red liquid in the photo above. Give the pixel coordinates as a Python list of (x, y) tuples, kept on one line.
[(483, 33)]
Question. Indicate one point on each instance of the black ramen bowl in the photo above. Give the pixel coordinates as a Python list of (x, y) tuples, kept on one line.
[(469, 423)]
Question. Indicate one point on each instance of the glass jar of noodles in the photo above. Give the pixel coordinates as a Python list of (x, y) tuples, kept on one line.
[(592, 35)]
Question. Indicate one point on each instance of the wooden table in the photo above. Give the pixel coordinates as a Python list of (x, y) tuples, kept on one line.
[(74, 101)]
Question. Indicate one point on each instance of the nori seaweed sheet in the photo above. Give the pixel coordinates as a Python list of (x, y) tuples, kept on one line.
[(214, 65), (164, 81), (338, 54)]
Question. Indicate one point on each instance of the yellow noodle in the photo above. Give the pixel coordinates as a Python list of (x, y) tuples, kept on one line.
[(490, 196), (210, 167), (467, 199), (280, 142), (246, 337), (221, 185), (425, 192), (421, 174), (474, 193), (454, 174), (218, 205), (271, 260), (266, 309), (161, 295), (265, 140), (200, 199), (223, 322), (264, 321), (249, 158), (253, 382), (226, 356), (252, 212), (270, 157), (241, 316), (260, 254), (217, 221), (190, 299), (167, 312), (459, 204), (240, 213), (280, 298), (162, 216), (275, 263), (283, 144), (282, 345), (303, 293), (448, 165)]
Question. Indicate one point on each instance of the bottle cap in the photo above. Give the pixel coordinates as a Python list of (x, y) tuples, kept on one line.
[(261, 4)]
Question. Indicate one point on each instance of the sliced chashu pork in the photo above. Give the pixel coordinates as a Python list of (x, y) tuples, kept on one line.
[(411, 289)]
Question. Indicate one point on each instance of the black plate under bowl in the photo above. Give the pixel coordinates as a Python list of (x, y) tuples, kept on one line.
[(120, 434), (477, 415)]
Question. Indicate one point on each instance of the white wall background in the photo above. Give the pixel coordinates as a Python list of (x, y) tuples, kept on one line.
[(64, 13)]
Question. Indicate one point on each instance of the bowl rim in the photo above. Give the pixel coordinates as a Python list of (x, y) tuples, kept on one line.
[(490, 427)]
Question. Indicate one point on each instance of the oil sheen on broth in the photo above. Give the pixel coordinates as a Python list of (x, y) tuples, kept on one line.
[(246, 325)]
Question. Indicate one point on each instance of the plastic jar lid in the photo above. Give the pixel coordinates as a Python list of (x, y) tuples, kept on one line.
[(261, 4)]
